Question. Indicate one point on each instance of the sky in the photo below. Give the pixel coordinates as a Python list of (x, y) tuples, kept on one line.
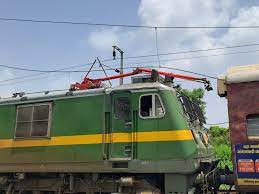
[(53, 46)]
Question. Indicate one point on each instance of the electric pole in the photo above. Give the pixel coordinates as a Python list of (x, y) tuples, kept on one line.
[(121, 64)]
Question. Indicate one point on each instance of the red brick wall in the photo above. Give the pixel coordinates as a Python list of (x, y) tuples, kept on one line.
[(243, 99)]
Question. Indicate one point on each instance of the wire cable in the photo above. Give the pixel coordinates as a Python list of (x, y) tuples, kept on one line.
[(124, 25), (94, 70), (33, 75), (197, 57), (192, 72), (140, 56), (192, 51), (164, 60)]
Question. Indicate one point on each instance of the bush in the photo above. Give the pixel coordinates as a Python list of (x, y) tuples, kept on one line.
[(221, 144)]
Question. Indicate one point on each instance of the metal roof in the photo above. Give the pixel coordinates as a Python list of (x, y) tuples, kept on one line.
[(41, 97)]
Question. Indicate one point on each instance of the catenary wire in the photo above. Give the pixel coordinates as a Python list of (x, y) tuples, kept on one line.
[(140, 56), (192, 72), (192, 51), (164, 60), (125, 25), (94, 70), (33, 75), (197, 57)]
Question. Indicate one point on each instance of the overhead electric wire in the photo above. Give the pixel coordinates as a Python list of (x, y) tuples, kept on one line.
[(72, 71), (197, 57), (131, 57), (164, 60), (192, 51), (94, 70), (43, 71), (125, 25), (143, 62), (219, 123), (187, 71), (69, 67)]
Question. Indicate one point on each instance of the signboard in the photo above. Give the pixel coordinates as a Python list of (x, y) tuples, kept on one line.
[(247, 161)]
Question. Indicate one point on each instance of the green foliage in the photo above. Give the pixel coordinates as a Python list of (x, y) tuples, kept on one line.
[(220, 140), (223, 152), (219, 135), (196, 95)]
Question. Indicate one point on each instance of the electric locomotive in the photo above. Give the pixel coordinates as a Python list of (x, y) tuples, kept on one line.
[(132, 138)]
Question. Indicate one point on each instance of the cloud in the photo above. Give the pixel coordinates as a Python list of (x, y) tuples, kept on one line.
[(103, 39)]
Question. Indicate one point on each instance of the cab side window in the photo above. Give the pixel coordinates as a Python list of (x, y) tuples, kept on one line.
[(253, 126), (33, 120), (151, 106)]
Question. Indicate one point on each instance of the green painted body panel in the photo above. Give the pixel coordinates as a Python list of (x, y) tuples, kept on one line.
[(52, 154), (7, 121), (165, 150), (88, 115), (77, 116)]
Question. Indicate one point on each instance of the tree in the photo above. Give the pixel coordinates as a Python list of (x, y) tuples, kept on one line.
[(220, 141)]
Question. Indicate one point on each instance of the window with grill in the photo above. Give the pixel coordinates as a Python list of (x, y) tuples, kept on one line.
[(253, 126), (122, 109), (151, 106), (33, 120)]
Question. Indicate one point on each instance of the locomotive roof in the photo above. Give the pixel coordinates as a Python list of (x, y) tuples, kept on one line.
[(39, 97), (241, 74)]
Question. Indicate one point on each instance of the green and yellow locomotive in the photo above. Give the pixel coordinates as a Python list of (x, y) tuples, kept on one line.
[(143, 136)]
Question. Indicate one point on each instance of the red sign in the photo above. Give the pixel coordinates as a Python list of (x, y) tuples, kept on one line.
[(247, 165), (257, 165)]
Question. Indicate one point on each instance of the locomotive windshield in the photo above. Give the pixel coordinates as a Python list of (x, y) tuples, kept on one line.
[(192, 109)]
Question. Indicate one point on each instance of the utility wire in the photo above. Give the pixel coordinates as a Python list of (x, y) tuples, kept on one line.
[(132, 57), (164, 60), (197, 57), (94, 70), (145, 62), (125, 25), (192, 51), (33, 75), (192, 72), (219, 123)]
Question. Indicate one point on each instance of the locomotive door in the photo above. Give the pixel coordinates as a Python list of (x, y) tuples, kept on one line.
[(121, 127)]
